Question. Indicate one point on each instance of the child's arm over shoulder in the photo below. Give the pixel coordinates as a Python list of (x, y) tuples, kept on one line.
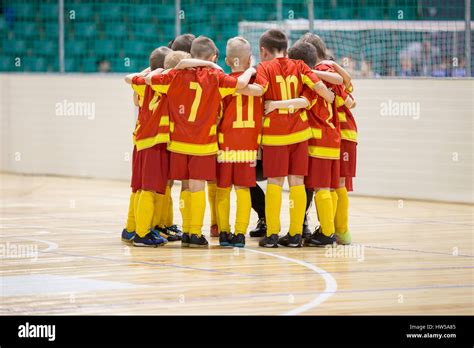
[(128, 79), (193, 63), (341, 71), (331, 77), (244, 79)]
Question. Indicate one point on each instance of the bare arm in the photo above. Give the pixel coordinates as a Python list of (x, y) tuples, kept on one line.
[(349, 102), (192, 63), (252, 90), (151, 74), (330, 77), (346, 77), (290, 104), (128, 79), (243, 80), (135, 99), (324, 92)]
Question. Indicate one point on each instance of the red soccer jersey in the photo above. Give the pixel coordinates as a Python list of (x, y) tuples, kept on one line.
[(240, 128), (326, 139), (153, 116), (283, 79), (346, 119), (194, 97)]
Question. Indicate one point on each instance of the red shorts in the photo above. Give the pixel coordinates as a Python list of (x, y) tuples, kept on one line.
[(238, 174), (284, 160), (152, 169), (185, 167), (322, 173), (135, 181), (348, 158)]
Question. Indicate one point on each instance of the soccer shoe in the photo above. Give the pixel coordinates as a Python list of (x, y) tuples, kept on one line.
[(214, 231), (269, 242), (260, 230), (175, 229), (306, 232), (238, 240), (291, 241), (152, 239), (343, 238), (185, 240), (224, 238), (128, 236), (196, 241), (318, 239), (168, 234)]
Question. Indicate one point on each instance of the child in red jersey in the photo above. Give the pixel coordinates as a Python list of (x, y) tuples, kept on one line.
[(239, 137)]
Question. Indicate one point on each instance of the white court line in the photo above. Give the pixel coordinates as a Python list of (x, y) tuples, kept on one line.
[(331, 284), (51, 245)]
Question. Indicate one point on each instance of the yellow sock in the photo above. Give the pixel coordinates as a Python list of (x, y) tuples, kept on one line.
[(323, 202), (164, 208), (135, 203), (198, 208), (130, 225), (170, 216), (341, 220), (145, 212), (272, 208), (211, 196), (334, 203), (185, 208), (297, 209), (157, 209), (223, 208), (244, 205)]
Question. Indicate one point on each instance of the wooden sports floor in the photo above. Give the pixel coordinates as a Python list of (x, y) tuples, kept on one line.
[(61, 253)]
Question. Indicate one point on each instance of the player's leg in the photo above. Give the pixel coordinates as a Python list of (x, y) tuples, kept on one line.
[(201, 169), (128, 233), (258, 203), (298, 169), (244, 176), (224, 186), (323, 181), (211, 197), (309, 200), (275, 168), (154, 179)]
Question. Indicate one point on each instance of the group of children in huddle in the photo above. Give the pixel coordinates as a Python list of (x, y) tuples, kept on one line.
[(290, 115)]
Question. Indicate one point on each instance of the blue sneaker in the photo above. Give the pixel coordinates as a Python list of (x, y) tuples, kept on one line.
[(128, 236), (152, 239)]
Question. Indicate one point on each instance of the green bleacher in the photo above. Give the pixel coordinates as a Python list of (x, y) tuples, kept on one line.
[(124, 32)]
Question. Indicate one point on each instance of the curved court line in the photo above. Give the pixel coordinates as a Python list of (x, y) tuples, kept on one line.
[(331, 284), (51, 245)]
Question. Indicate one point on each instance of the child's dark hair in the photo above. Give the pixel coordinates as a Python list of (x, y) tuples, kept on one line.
[(303, 51), (318, 43), (183, 43), (274, 40), (157, 57)]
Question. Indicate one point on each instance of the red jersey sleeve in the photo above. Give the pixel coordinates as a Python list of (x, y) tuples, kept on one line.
[(262, 79), (227, 84), (308, 77), (161, 83), (139, 85)]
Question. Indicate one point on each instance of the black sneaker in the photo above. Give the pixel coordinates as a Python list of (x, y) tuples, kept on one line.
[(224, 238), (175, 229), (185, 240), (269, 242), (196, 241), (168, 234), (291, 241), (238, 240), (318, 239), (306, 232), (260, 230), (152, 239)]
